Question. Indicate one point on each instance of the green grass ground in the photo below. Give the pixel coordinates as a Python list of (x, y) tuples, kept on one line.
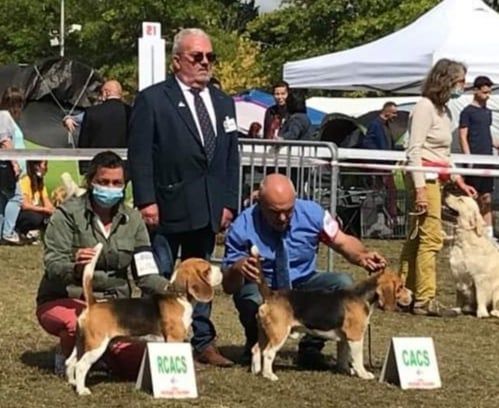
[(57, 167), (467, 350)]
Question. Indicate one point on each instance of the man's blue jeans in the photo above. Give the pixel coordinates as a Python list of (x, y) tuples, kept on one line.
[(248, 299), (199, 244)]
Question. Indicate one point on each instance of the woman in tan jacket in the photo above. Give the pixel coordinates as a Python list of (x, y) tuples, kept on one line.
[(430, 137)]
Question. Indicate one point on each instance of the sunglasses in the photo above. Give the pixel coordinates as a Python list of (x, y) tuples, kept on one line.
[(199, 57)]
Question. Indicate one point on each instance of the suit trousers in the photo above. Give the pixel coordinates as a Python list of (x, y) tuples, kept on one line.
[(418, 261), (199, 244), (248, 299)]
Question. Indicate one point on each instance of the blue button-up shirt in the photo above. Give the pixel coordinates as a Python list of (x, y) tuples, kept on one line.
[(309, 225)]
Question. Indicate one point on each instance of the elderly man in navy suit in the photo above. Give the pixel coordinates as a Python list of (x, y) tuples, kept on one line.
[(184, 166)]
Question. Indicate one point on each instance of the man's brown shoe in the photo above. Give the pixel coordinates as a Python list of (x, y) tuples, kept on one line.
[(210, 355)]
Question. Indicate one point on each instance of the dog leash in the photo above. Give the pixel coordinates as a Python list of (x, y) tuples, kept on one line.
[(369, 346), (415, 229)]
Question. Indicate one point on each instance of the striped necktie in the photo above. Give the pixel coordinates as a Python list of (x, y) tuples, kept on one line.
[(205, 124), (282, 265)]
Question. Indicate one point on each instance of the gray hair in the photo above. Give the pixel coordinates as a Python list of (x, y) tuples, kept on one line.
[(182, 34)]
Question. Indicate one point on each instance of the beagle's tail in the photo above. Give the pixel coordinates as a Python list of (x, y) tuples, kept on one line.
[(264, 289), (88, 274)]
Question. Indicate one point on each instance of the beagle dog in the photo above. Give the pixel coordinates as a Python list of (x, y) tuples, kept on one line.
[(165, 316), (341, 315)]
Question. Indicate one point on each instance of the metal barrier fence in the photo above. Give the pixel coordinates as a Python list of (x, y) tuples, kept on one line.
[(308, 164), (315, 169), (371, 205)]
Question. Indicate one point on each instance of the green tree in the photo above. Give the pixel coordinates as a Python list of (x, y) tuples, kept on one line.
[(307, 28), (108, 40), (24, 30), (242, 69)]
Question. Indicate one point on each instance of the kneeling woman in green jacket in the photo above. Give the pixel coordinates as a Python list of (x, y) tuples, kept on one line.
[(74, 229)]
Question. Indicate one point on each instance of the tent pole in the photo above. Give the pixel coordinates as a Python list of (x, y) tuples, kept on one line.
[(62, 30)]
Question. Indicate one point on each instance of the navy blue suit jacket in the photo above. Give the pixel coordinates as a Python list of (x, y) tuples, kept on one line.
[(168, 165), (376, 137)]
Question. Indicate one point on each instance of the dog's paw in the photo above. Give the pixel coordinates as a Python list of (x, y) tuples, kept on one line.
[(83, 391), (346, 370), (256, 368), (365, 375), (270, 376), (494, 313), (482, 314)]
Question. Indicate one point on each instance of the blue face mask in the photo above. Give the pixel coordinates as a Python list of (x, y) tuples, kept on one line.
[(106, 197), (456, 93)]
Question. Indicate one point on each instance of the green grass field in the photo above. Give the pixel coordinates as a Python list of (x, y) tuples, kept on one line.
[(467, 351), (56, 168)]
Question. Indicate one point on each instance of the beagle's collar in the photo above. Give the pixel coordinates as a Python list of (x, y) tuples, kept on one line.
[(172, 289)]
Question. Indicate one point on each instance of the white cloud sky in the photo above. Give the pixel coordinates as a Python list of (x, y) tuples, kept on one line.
[(267, 5)]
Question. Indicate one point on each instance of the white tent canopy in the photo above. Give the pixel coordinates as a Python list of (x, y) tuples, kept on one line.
[(357, 106), (464, 30)]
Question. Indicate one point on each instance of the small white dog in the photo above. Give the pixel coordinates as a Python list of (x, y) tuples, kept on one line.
[(474, 260)]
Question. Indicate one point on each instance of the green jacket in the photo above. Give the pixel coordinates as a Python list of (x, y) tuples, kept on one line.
[(73, 226)]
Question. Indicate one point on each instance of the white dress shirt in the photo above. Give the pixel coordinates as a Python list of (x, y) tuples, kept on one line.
[(206, 97)]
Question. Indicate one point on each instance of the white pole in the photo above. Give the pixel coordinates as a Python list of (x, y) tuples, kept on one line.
[(62, 30)]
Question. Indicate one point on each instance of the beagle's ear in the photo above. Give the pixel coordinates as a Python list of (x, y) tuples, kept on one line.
[(386, 293), (199, 284), (201, 292)]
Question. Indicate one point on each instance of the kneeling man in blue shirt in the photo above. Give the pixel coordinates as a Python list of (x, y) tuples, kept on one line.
[(287, 232)]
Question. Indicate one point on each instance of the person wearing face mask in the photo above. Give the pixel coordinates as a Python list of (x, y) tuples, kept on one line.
[(430, 137), (80, 223), (287, 232), (36, 207)]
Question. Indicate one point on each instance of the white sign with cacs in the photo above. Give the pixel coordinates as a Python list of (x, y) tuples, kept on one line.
[(411, 362)]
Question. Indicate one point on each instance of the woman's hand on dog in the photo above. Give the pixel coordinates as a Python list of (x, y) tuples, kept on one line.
[(83, 257)]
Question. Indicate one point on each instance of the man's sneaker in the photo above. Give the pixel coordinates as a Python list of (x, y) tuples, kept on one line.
[(12, 239), (312, 359), (433, 307), (33, 234), (31, 237)]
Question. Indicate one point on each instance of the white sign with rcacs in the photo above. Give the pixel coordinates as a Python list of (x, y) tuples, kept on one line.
[(167, 370), (411, 362)]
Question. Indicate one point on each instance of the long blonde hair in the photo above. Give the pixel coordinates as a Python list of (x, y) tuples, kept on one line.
[(440, 81)]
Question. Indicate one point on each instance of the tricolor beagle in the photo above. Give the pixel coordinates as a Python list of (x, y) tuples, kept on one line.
[(167, 316), (341, 315)]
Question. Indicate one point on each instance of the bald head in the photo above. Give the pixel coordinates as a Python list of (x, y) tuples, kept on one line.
[(111, 90), (277, 189), (277, 199)]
